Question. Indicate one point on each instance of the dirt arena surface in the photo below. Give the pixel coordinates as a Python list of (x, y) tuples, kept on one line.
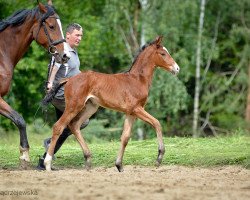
[(165, 182)]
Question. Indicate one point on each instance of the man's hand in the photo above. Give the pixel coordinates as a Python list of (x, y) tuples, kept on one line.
[(49, 86)]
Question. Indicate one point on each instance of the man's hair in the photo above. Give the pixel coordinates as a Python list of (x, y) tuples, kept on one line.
[(71, 27)]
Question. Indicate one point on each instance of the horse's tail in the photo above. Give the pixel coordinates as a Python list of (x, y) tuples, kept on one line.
[(51, 94)]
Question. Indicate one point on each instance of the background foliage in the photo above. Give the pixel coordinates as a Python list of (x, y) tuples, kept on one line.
[(113, 32)]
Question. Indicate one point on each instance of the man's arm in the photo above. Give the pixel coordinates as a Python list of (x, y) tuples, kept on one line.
[(52, 77)]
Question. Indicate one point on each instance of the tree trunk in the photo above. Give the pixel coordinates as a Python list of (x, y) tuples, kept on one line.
[(196, 131), (144, 4), (248, 100)]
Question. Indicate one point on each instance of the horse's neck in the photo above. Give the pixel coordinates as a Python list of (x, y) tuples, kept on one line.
[(144, 67), (19, 42)]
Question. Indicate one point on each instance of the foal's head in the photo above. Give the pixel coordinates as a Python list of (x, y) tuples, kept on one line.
[(47, 31), (162, 57)]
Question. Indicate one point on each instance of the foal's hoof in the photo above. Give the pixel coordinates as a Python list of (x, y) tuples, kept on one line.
[(88, 166), (47, 165), (24, 164), (119, 167), (158, 162)]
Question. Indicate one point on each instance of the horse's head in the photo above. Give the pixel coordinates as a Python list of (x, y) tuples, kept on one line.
[(163, 58), (47, 31)]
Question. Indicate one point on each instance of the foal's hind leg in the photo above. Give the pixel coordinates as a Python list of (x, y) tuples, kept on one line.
[(18, 120), (58, 128), (75, 125), (124, 140), (143, 115)]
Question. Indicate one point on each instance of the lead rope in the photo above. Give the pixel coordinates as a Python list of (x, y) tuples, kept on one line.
[(44, 109), (50, 69)]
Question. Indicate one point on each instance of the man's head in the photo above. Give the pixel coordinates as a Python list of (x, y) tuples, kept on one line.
[(74, 34)]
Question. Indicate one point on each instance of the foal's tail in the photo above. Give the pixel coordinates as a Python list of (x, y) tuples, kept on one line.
[(50, 95)]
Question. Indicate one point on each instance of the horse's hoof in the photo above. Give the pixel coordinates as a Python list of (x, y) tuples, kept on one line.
[(24, 164), (157, 164)]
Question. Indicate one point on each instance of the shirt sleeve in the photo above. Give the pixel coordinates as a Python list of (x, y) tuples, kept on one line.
[(58, 65), (55, 63)]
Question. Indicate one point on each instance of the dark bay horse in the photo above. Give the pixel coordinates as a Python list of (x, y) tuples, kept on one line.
[(123, 92), (41, 24)]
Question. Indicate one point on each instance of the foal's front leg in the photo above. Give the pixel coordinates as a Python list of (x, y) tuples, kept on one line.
[(124, 140), (143, 115)]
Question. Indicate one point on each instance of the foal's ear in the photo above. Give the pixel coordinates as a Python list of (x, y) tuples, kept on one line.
[(42, 7), (158, 40)]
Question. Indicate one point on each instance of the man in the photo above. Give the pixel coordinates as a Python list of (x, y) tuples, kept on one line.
[(74, 33)]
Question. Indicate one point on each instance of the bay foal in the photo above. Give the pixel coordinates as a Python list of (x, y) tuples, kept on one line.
[(124, 92)]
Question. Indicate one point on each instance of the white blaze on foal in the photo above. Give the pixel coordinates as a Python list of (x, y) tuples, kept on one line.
[(176, 67), (166, 50)]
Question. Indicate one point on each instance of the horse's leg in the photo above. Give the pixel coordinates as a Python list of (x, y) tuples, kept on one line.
[(124, 140), (18, 120), (58, 128), (143, 115), (75, 125)]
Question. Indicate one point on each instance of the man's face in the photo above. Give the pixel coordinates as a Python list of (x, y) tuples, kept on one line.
[(74, 38)]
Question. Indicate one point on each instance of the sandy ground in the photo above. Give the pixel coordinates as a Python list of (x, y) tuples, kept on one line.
[(165, 182)]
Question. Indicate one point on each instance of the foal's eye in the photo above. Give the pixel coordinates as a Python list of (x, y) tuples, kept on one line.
[(163, 54)]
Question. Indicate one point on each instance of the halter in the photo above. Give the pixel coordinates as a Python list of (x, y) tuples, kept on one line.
[(52, 44)]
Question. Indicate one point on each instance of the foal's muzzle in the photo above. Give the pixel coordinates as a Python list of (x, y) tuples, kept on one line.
[(175, 69)]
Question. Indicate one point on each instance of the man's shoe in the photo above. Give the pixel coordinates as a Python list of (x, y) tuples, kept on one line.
[(41, 165), (46, 144)]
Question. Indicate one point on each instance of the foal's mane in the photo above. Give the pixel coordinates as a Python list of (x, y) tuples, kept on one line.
[(20, 16), (138, 53)]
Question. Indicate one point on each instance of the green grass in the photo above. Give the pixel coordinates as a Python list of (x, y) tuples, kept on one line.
[(202, 152)]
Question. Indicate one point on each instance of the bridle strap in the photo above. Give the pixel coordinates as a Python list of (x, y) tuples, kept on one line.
[(51, 42), (58, 42), (46, 32)]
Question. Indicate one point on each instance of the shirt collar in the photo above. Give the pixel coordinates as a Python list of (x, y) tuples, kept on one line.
[(70, 49)]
